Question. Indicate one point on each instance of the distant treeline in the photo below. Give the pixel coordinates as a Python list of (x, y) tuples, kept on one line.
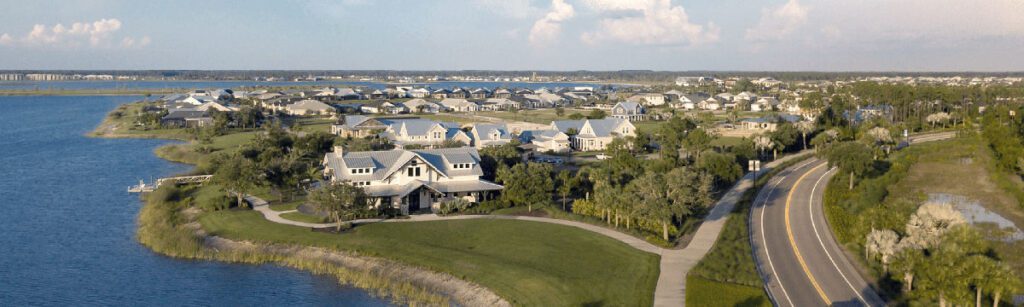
[(621, 75)]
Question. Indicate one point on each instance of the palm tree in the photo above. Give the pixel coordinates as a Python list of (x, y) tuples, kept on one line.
[(805, 127), (763, 142), (884, 243)]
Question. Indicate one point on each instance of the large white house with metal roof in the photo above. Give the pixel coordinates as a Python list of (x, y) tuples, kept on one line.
[(594, 134), (412, 180)]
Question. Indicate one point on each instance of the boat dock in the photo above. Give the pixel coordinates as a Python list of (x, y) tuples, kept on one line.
[(144, 187)]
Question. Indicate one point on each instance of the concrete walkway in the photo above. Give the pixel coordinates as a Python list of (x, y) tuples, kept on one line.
[(675, 263)]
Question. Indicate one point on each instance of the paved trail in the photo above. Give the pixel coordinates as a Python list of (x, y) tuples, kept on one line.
[(675, 263)]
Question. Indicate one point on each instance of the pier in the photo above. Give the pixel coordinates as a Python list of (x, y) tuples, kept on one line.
[(144, 187)]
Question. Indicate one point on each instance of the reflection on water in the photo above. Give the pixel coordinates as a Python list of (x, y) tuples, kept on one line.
[(978, 215)]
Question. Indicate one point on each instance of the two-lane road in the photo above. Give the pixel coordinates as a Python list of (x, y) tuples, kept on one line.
[(799, 259), (796, 253)]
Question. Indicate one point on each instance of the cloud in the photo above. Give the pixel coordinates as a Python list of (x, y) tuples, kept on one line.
[(778, 23), (97, 34), (548, 28), (650, 22)]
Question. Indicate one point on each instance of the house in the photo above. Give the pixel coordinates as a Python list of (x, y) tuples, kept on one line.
[(628, 110), (411, 180), (418, 93), (648, 99), (187, 118), (479, 93), (542, 100), (593, 134), (766, 123), (216, 106), (440, 94), (458, 93), (764, 104), (495, 104), (357, 126), (724, 97), (502, 93), (421, 132), (745, 96), (459, 105), (485, 135), (198, 99), (710, 104), (546, 140), (308, 107), (422, 106), (673, 95)]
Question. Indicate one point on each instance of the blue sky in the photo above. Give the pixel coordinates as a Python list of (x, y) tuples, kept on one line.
[(901, 35)]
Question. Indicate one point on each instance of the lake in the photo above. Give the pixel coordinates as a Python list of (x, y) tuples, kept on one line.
[(67, 225), (92, 85)]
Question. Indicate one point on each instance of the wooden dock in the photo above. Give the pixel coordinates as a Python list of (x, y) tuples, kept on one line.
[(144, 187)]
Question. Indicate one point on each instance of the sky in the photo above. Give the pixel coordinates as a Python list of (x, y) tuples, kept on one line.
[(668, 35)]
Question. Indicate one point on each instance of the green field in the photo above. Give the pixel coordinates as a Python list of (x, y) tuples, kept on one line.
[(302, 217), (528, 263), (709, 293)]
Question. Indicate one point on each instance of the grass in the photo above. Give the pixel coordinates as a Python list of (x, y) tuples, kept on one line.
[(286, 206), (186, 153), (710, 293), (528, 263), (305, 218), (726, 141), (537, 116)]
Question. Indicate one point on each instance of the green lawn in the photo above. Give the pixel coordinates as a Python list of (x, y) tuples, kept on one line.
[(726, 141), (528, 263), (302, 217), (286, 206), (708, 293)]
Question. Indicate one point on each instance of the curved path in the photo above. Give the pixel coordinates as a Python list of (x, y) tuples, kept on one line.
[(675, 263), (799, 260)]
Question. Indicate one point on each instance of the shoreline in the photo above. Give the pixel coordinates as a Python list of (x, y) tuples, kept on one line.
[(397, 282)]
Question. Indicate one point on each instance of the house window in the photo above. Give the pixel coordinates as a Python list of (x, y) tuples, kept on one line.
[(437, 135)]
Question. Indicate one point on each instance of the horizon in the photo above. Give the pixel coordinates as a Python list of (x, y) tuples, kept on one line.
[(522, 35)]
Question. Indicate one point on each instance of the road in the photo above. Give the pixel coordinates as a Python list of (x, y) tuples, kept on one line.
[(796, 253)]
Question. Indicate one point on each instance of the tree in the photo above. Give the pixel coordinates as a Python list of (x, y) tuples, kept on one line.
[(805, 128), (651, 192), (884, 243), (341, 201), (576, 116), (905, 262), (762, 142), (697, 141), (851, 157), (824, 139), (783, 137), (929, 223), (722, 167), (597, 114), (526, 184), (1000, 281), (559, 111), (566, 183), (238, 175)]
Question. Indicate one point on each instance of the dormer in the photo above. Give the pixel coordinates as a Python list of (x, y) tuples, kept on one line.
[(461, 166), (361, 170)]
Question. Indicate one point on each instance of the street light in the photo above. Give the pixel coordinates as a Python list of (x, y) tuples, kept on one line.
[(755, 167)]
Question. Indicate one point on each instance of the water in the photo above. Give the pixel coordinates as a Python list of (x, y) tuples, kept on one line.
[(975, 213), (92, 85), (67, 225)]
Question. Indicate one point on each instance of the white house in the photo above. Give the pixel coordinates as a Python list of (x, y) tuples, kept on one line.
[(546, 140), (421, 132), (459, 105), (594, 134), (485, 135), (308, 107), (411, 180), (421, 106)]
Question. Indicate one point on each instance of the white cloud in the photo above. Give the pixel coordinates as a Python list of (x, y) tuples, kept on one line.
[(652, 22), (97, 34), (778, 23), (548, 28)]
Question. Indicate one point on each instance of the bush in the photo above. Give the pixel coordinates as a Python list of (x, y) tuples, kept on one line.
[(487, 206)]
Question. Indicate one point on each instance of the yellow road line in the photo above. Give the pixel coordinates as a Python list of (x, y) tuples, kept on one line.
[(792, 242)]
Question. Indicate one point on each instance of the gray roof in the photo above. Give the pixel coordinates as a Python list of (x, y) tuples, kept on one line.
[(184, 114), (564, 125), (604, 127), (484, 132), (384, 163)]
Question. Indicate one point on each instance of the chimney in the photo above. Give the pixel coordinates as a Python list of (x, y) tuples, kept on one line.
[(339, 150)]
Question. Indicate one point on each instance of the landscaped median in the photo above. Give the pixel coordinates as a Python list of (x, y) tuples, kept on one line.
[(522, 262)]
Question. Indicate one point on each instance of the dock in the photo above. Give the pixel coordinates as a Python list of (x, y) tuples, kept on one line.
[(144, 187)]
